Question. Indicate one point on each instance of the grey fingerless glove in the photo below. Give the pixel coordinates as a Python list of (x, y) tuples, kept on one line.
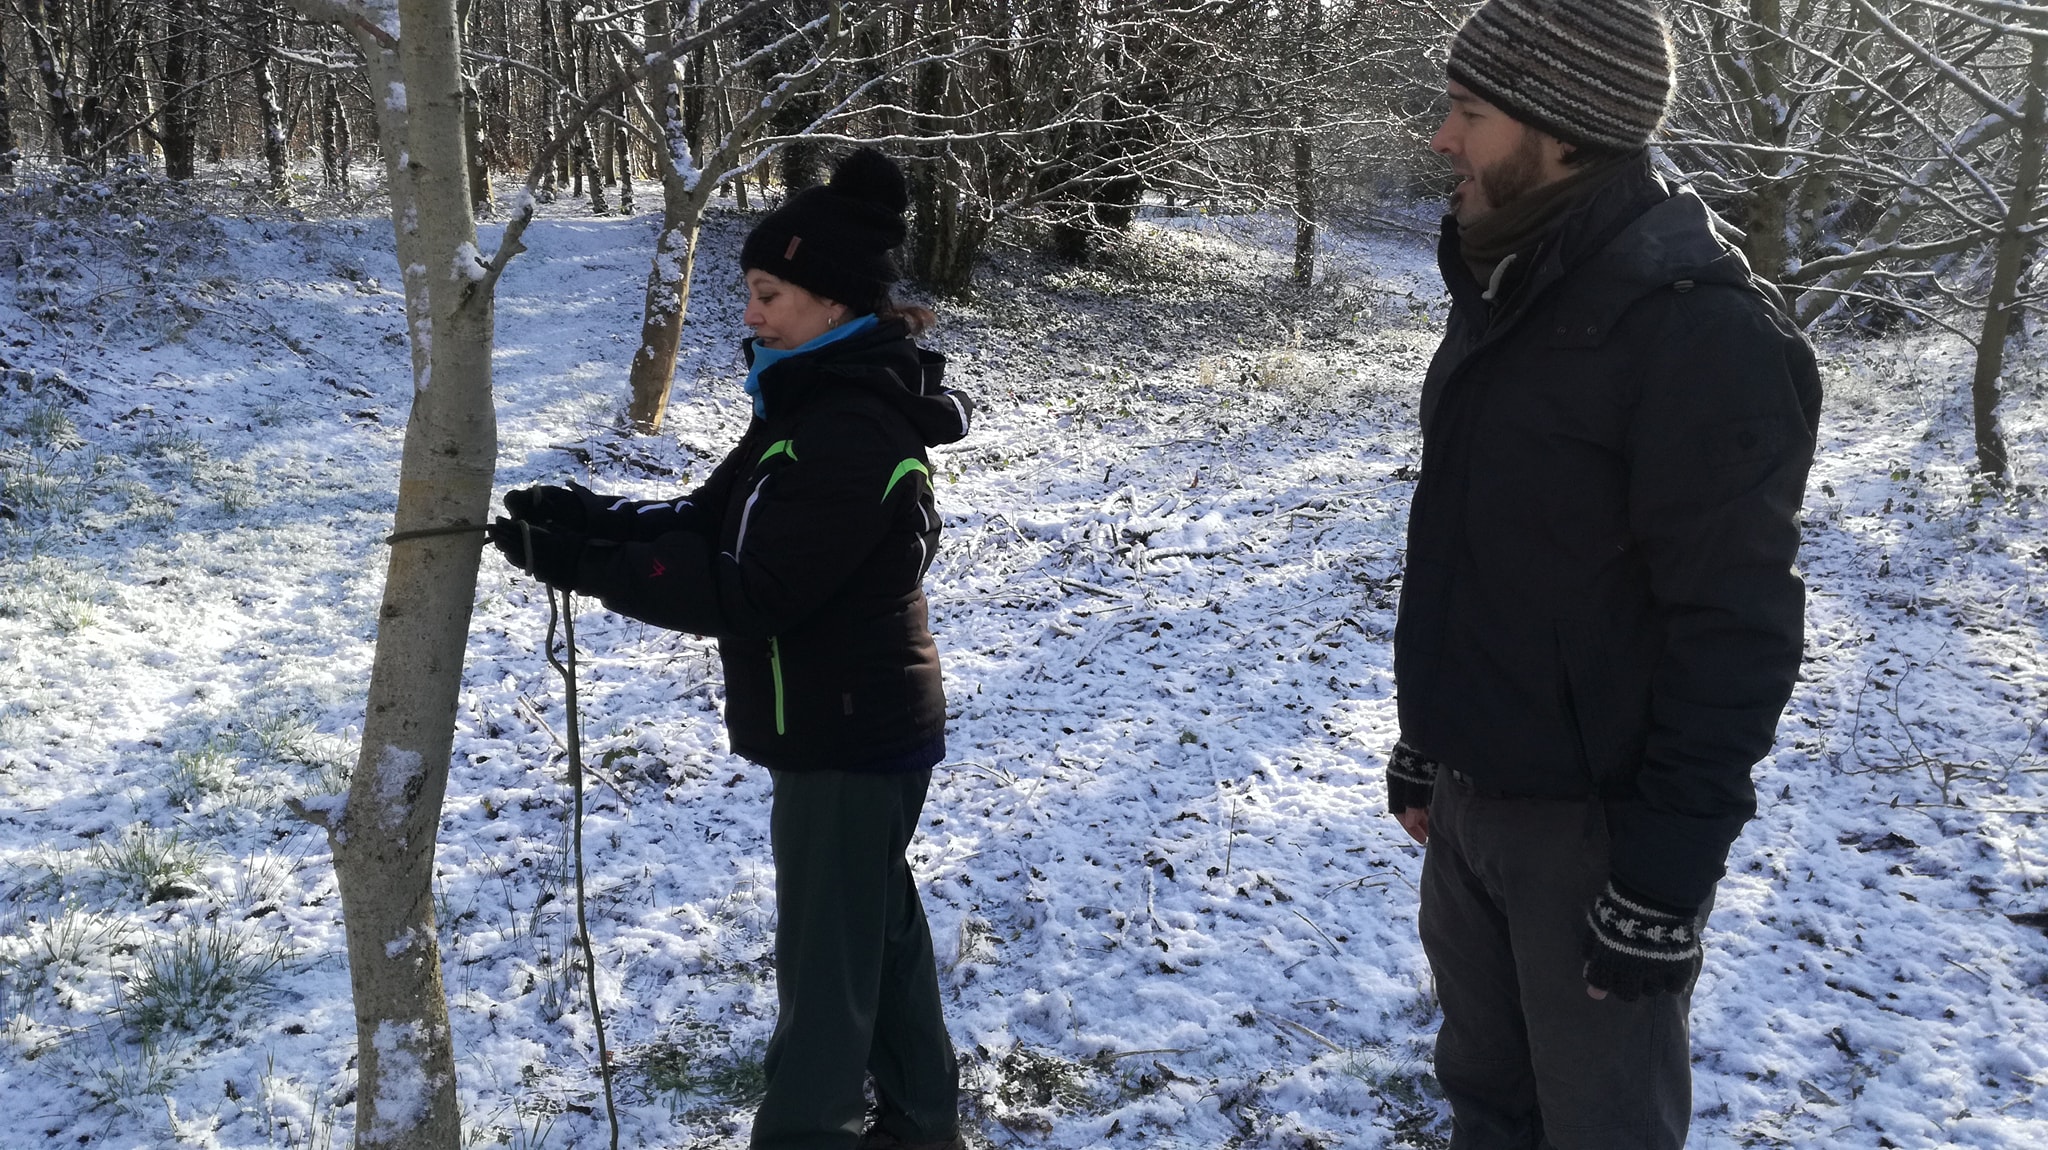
[(1411, 778), (1635, 946)]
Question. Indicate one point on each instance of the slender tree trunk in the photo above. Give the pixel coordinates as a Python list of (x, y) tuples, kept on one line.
[(8, 155), (333, 123), (622, 152), (383, 837), (584, 82), (935, 218), (1768, 220), (551, 115), (479, 173), (64, 118), (2011, 258), (675, 252), (179, 107), (1305, 208), (263, 41)]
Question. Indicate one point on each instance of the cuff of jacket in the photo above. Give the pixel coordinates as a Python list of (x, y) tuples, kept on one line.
[(1411, 778)]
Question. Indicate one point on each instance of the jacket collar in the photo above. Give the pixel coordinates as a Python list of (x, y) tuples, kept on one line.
[(883, 362), (1630, 236)]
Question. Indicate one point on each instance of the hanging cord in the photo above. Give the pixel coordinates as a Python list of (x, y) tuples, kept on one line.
[(562, 611)]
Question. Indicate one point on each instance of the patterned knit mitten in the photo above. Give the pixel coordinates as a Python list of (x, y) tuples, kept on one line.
[(1410, 778), (1636, 946)]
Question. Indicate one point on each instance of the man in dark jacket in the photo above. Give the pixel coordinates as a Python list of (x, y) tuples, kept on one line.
[(1600, 622)]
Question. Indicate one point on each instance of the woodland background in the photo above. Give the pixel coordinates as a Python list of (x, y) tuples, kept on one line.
[(1183, 250)]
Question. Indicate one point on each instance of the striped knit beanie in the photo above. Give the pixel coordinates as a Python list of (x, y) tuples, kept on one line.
[(1593, 73)]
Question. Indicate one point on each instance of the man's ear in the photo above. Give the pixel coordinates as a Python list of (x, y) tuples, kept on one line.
[(1558, 156)]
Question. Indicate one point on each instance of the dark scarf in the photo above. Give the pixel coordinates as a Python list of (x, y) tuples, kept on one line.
[(1523, 223)]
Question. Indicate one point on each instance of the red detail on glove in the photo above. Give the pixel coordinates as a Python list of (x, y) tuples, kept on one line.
[(658, 570)]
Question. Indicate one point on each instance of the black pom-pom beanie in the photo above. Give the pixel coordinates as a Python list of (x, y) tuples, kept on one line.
[(835, 240)]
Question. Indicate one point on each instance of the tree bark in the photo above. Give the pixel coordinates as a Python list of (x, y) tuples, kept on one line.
[(383, 836), (180, 121), (1304, 209), (2001, 306), (64, 117), (667, 301), (263, 41), (478, 172), (8, 155), (333, 128), (1768, 218)]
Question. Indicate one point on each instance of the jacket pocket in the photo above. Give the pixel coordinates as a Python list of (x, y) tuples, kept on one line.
[(1604, 694)]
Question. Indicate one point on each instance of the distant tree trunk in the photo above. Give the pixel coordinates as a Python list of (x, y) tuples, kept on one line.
[(694, 95), (675, 251), (622, 155), (333, 135), (179, 107), (581, 80), (8, 155), (64, 117), (263, 41), (2011, 258), (551, 62), (1304, 209), (479, 173), (936, 226), (688, 181)]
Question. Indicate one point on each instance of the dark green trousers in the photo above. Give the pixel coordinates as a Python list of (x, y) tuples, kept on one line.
[(855, 979)]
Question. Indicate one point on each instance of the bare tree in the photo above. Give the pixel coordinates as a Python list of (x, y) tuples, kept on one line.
[(8, 151), (383, 836), (2022, 227), (690, 176)]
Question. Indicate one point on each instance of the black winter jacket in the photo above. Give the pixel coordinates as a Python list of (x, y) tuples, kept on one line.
[(1599, 596), (804, 554)]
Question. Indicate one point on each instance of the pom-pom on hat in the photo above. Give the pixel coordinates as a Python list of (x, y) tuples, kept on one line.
[(835, 240), (1593, 73)]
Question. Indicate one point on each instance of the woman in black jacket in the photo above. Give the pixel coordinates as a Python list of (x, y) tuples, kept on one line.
[(804, 554)]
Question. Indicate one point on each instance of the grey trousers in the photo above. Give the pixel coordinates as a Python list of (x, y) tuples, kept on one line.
[(856, 985), (1528, 1060)]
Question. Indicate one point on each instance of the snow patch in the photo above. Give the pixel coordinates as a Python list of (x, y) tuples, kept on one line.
[(469, 263), (404, 1090), (399, 773)]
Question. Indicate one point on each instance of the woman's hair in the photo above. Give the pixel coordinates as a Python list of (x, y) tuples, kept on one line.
[(918, 319)]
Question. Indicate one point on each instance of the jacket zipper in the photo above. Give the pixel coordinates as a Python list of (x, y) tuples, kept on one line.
[(775, 667)]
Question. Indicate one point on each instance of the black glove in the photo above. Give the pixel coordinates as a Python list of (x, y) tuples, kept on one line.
[(554, 555), (1411, 779), (1636, 946), (550, 507)]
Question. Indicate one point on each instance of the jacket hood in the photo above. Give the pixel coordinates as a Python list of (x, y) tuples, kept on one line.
[(1642, 233), (885, 363)]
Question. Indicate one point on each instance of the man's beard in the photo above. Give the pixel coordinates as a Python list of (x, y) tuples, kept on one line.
[(1503, 182)]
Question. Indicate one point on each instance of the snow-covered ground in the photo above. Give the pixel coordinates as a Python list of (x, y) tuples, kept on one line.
[(1169, 910)]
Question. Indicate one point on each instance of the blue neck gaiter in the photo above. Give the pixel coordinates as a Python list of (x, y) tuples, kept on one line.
[(766, 357)]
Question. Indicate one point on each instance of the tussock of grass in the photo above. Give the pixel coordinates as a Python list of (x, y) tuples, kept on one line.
[(151, 864), (194, 980)]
